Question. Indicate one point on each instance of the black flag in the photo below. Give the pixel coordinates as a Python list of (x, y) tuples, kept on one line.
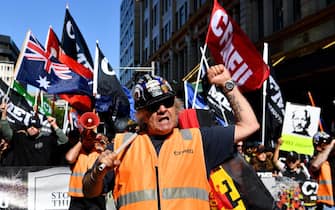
[(111, 101), (275, 111), (75, 49)]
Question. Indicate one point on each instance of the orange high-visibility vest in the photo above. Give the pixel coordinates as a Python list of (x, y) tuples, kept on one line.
[(83, 163), (325, 190), (174, 180)]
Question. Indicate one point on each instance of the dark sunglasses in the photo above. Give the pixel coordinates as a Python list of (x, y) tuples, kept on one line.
[(168, 102)]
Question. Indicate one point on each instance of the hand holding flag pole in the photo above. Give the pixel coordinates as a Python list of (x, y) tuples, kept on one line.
[(125, 143)]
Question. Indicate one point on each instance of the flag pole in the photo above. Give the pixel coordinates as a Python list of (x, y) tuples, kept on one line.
[(65, 120), (313, 104), (203, 50), (71, 119), (265, 58), (95, 69), (186, 94), (18, 63)]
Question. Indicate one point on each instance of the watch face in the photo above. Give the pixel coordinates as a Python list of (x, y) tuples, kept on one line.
[(229, 85)]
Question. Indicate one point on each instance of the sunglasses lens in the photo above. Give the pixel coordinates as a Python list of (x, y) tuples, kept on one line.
[(166, 102)]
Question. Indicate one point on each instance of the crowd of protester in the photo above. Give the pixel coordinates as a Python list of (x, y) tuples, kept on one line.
[(290, 166), (273, 161), (30, 146)]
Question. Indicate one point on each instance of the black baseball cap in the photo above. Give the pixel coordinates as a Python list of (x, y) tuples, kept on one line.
[(292, 157), (34, 122)]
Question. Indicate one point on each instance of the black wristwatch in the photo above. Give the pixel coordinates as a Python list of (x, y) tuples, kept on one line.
[(229, 86)]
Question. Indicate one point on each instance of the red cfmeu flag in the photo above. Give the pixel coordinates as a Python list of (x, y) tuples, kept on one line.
[(75, 52), (230, 46), (81, 103)]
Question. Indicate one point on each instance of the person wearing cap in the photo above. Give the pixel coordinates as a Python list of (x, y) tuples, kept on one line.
[(81, 157), (293, 167), (30, 146), (165, 167), (322, 168), (262, 161)]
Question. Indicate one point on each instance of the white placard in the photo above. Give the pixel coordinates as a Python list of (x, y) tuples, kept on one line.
[(48, 189)]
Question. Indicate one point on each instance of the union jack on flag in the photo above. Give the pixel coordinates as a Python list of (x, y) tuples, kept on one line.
[(39, 68)]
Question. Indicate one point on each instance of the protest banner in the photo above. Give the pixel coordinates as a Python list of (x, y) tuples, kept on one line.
[(300, 124)]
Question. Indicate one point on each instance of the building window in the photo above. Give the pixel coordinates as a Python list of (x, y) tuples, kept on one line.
[(296, 10), (154, 15), (154, 44), (166, 31), (197, 4), (181, 16), (146, 28), (278, 15), (145, 55), (260, 19), (166, 5)]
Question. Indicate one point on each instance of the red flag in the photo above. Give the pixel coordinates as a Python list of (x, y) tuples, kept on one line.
[(75, 52), (80, 102), (229, 45)]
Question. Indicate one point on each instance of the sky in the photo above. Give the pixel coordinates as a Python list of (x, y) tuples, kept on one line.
[(96, 19)]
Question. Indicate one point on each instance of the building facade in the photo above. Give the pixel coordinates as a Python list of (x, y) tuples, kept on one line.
[(300, 34), (8, 56), (129, 38)]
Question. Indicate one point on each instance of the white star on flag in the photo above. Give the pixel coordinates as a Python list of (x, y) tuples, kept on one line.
[(44, 83)]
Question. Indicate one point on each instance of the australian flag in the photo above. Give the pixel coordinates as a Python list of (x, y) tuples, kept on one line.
[(39, 68)]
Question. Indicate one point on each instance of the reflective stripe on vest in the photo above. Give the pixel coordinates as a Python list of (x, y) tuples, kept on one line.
[(169, 193), (190, 192), (138, 196), (329, 198), (186, 134), (78, 174), (325, 188), (76, 190), (78, 171), (325, 182)]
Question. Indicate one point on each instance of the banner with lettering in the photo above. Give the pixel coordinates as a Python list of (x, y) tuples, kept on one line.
[(230, 46), (19, 110), (290, 194), (35, 188)]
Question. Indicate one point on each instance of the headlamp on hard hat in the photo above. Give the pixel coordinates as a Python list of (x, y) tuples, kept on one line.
[(150, 90), (321, 138)]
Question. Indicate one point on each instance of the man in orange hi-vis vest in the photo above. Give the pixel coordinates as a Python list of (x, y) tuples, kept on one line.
[(165, 167), (323, 169), (81, 157)]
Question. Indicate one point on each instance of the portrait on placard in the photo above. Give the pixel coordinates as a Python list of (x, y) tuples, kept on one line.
[(301, 119), (300, 124)]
